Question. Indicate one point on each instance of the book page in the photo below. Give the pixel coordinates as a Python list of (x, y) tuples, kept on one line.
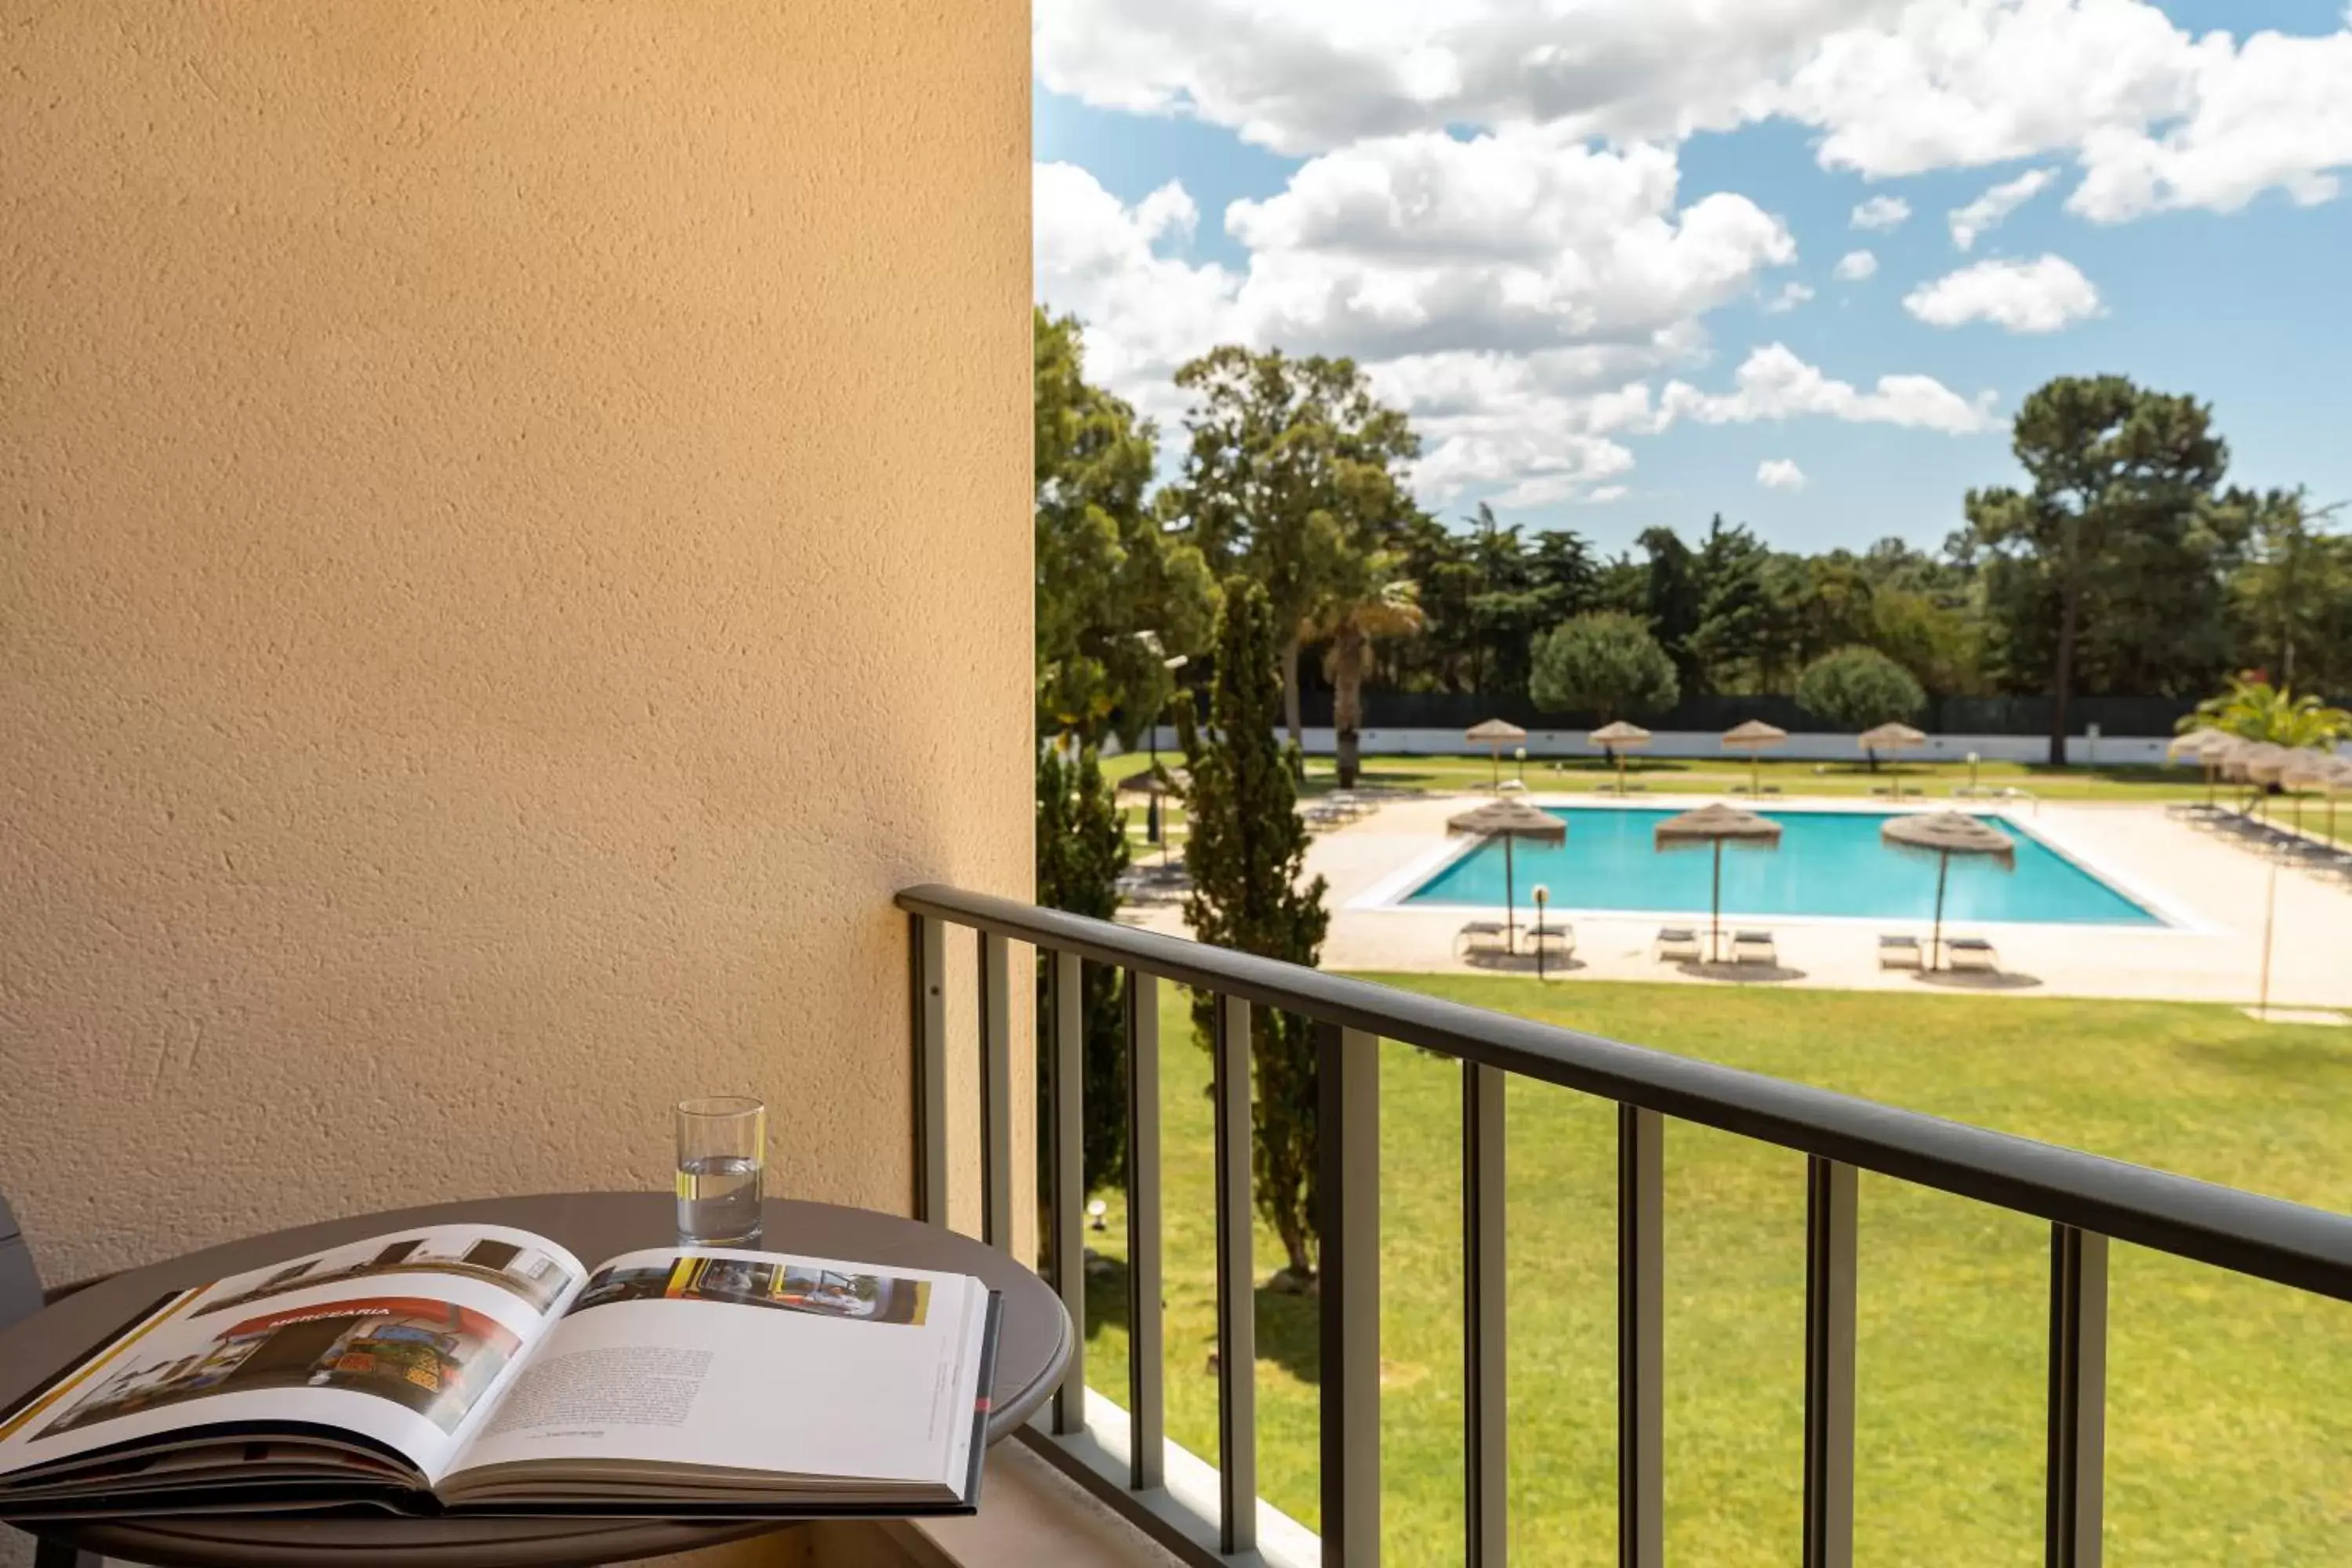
[(747, 1361), (404, 1339)]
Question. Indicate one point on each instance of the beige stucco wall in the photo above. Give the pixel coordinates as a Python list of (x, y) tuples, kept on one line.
[(514, 540)]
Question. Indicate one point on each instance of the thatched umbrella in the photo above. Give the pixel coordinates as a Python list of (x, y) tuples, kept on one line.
[(1889, 737), (2258, 764), (2308, 769), (2217, 752), (1509, 819), (1495, 734), (1752, 737), (1614, 738), (2339, 782), (1715, 826), (1944, 834), (2201, 746)]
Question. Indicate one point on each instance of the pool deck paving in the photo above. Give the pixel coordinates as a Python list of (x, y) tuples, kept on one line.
[(2210, 890)]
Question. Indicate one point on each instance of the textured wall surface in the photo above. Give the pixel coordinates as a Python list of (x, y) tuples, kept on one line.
[(514, 540)]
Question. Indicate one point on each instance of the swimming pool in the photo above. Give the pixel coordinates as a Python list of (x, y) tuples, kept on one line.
[(1828, 864)]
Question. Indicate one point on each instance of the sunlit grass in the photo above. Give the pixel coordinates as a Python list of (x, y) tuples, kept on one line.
[(1663, 775), (2229, 1425)]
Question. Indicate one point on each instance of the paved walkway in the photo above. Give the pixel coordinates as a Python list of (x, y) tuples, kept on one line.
[(2212, 888)]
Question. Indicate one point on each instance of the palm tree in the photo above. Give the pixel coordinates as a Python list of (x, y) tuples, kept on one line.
[(2255, 709), (1366, 606)]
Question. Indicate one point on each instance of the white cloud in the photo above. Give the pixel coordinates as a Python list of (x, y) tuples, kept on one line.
[(1305, 76), (1855, 266), (1990, 210), (2156, 116), (1960, 83), (1523, 430), (1781, 474), (1883, 213), (1774, 384), (1522, 239), (1512, 293), (2277, 114), (1790, 295), (1606, 494), (1146, 313), (2039, 296)]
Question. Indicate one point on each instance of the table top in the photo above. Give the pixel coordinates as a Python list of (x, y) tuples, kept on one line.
[(1033, 1349)]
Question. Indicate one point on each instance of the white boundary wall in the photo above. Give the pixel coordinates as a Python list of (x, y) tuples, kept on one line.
[(1801, 747)]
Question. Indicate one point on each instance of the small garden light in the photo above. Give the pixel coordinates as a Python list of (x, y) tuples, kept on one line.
[(1542, 897)]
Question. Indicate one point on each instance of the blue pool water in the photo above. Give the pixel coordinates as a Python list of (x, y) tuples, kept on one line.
[(1828, 863)]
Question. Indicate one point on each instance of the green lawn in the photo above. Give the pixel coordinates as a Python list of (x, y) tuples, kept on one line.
[(1703, 775), (2230, 1419)]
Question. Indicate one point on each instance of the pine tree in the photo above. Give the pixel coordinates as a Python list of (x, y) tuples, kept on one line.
[(1246, 854), (1081, 850)]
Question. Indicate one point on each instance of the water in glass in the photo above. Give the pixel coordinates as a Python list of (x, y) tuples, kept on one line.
[(717, 1200)]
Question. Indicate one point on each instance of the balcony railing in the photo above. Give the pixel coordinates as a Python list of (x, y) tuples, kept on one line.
[(2086, 1200)]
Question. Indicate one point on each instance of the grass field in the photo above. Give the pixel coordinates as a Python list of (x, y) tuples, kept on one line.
[(2230, 1417), (1666, 775)]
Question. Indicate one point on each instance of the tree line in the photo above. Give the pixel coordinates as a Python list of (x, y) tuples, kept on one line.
[(1288, 540), (2123, 566)]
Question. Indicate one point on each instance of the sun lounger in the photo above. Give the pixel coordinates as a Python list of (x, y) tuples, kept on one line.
[(1558, 941), (1482, 936), (1754, 947), (1677, 944), (1898, 952), (1971, 952)]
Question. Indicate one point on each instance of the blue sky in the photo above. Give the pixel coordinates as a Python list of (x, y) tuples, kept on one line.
[(2218, 270)]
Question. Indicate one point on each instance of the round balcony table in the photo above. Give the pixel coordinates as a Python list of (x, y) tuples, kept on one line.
[(1033, 1348)]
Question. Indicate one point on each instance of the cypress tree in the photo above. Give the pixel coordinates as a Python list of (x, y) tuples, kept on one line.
[(1081, 850), (1246, 854)]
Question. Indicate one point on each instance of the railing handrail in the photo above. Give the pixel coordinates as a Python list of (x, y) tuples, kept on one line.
[(2288, 1243)]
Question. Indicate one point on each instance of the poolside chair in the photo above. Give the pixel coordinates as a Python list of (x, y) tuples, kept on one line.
[(1754, 947), (1482, 936), (1677, 944), (1971, 952), (1898, 952), (1557, 941)]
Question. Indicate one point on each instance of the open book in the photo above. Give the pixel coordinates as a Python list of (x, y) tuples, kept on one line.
[(480, 1369)]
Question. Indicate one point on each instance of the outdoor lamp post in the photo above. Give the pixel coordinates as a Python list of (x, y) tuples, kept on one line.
[(1972, 773), (1519, 756), (1542, 897)]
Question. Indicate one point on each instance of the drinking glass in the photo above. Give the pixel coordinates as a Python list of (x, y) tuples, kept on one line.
[(721, 1145)]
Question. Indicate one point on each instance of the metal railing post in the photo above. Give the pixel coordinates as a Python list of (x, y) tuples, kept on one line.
[(1236, 1284), (1829, 1290), (1146, 1358), (1070, 1183), (1640, 1338), (927, 966), (996, 1094), (1348, 1130), (1485, 1380), (2078, 1395)]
